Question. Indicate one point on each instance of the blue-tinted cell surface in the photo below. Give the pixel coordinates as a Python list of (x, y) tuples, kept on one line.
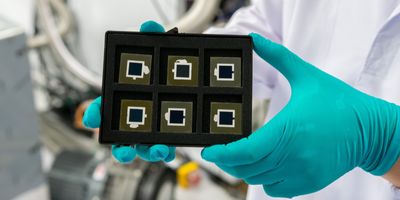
[(182, 71), (225, 71), (226, 118), (176, 116), (135, 115), (135, 69)]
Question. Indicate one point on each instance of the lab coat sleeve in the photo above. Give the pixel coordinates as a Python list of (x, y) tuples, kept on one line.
[(263, 17)]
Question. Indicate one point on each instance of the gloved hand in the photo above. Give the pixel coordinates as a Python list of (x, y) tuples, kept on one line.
[(327, 129), (125, 154)]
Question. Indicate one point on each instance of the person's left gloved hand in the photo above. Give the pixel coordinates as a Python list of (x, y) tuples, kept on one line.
[(125, 154), (327, 129)]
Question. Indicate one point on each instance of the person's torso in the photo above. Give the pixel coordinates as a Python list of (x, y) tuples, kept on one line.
[(349, 40), (335, 36)]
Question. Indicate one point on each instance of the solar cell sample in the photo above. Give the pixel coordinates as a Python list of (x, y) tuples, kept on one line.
[(135, 115), (176, 117), (225, 72), (226, 118), (135, 68), (182, 70)]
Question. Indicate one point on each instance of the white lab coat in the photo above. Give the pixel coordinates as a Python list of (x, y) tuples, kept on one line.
[(356, 41)]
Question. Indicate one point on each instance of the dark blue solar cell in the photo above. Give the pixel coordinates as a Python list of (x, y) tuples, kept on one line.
[(135, 69), (225, 71), (135, 115), (182, 71), (176, 116), (226, 118)]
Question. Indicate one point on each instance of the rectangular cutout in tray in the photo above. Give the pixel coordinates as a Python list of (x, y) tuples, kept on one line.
[(176, 89)]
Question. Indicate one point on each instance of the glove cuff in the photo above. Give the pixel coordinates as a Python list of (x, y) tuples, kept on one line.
[(391, 153)]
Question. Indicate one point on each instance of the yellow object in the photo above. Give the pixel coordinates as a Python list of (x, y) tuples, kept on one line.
[(184, 171)]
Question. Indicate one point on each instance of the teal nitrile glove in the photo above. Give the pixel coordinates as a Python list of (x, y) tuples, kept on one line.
[(125, 154), (327, 129)]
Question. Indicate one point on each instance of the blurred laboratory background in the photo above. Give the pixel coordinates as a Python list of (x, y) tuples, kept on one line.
[(51, 54)]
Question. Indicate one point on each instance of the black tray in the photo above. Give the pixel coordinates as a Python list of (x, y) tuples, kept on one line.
[(159, 45)]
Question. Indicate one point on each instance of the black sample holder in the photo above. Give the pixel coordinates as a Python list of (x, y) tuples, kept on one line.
[(160, 46)]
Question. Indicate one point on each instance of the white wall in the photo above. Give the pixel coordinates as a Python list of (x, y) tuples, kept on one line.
[(18, 11)]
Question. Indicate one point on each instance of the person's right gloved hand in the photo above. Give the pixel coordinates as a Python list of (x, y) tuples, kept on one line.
[(326, 129), (125, 154)]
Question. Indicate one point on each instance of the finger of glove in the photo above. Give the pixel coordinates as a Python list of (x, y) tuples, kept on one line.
[(123, 154), (171, 155), (247, 150), (153, 153), (152, 27), (92, 117)]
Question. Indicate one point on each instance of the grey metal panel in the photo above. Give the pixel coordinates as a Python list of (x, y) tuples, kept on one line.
[(20, 166)]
